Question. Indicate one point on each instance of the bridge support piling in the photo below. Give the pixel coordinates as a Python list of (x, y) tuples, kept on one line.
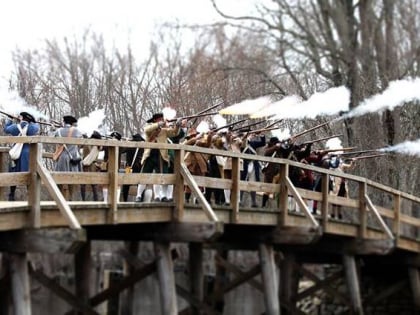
[(166, 278), (196, 273), (20, 284), (353, 285), (270, 283), (289, 282), (83, 272), (414, 277)]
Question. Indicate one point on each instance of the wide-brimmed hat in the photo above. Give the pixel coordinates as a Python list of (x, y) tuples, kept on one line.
[(273, 141), (154, 117), (96, 135), (69, 119), (137, 137), (116, 135), (28, 117)]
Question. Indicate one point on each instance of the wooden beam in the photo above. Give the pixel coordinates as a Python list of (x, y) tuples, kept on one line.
[(166, 278), (21, 295), (378, 296), (270, 282), (375, 212), (61, 292), (324, 202), (198, 193), (58, 197), (83, 273), (196, 273), (326, 287), (300, 202), (51, 240), (369, 247), (179, 198), (34, 187), (350, 270), (362, 210), (113, 187), (238, 272), (319, 285), (414, 277), (235, 192), (283, 195), (295, 235)]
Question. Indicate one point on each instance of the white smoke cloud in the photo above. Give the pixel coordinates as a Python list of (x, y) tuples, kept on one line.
[(277, 107), (11, 103), (247, 107), (334, 143), (203, 127), (92, 122), (219, 121), (330, 102), (407, 147), (169, 113), (396, 94)]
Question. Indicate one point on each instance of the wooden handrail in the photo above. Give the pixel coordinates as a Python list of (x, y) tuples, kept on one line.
[(286, 188)]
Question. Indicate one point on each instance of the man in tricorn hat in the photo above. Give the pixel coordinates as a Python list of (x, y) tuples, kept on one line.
[(155, 160), (67, 156), (133, 158), (25, 126)]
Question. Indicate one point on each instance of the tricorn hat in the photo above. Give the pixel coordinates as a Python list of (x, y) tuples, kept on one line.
[(154, 117), (28, 117), (137, 137), (273, 141), (116, 135), (69, 119), (96, 135)]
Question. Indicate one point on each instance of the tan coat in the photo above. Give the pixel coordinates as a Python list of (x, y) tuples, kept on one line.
[(156, 134)]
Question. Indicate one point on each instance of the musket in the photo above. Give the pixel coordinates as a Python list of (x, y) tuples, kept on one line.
[(239, 129), (309, 130), (336, 150), (320, 139), (366, 157), (274, 123), (261, 130), (52, 124), (229, 125), (360, 152), (205, 111), (8, 115), (193, 116)]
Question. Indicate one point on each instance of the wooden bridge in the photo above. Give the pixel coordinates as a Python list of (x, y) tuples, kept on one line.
[(378, 226)]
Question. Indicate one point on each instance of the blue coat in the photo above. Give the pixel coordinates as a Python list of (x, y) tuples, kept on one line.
[(251, 148), (11, 128)]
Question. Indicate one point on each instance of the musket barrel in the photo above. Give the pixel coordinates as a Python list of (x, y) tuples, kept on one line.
[(310, 129), (193, 116), (321, 139), (229, 125), (359, 152)]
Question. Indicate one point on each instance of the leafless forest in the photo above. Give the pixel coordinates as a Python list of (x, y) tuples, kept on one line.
[(292, 47)]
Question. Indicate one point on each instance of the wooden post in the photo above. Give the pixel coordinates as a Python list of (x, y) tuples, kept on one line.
[(283, 202), (268, 271), (196, 273), (113, 183), (235, 193), (350, 270), (362, 210), (166, 278), (83, 272), (414, 278), (3, 161), (127, 297), (397, 217), (20, 284), (324, 203), (289, 281), (34, 186), (179, 187)]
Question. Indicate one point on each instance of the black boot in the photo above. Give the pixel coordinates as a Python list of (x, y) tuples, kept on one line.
[(265, 199)]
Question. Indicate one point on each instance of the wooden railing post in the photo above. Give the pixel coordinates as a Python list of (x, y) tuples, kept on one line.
[(362, 210), (235, 193), (324, 203), (397, 217), (34, 185), (284, 194), (113, 167), (179, 186)]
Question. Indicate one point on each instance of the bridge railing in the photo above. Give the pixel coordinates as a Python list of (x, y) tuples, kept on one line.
[(369, 220)]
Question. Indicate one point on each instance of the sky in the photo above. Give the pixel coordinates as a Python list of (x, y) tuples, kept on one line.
[(27, 23)]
